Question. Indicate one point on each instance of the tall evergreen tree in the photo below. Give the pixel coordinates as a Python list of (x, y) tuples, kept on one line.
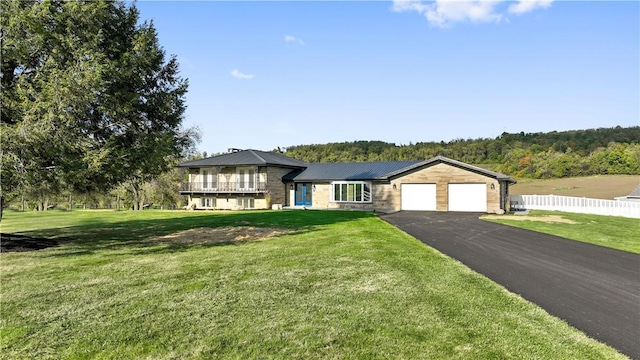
[(88, 100)]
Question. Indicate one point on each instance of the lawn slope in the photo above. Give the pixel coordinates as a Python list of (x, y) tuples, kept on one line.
[(597, 186), (339, 285), (614, 232)]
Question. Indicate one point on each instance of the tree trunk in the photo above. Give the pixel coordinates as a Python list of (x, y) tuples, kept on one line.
[(70, 203), (41, 201), (1, 206), (136, 196), (118, 202)]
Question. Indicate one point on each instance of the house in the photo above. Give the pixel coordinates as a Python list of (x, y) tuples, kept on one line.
[(633, 196), (253, 179), (240, 179)]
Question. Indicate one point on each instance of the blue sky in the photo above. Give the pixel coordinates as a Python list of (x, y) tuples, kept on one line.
[(275, 74)]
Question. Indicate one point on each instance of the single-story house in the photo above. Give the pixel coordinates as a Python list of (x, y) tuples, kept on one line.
[(253, 179)]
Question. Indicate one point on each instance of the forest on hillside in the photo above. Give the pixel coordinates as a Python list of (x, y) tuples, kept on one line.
[(524, 155)]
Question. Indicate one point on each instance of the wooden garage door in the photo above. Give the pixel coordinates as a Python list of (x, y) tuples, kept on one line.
[(418, 197), (468, 197)]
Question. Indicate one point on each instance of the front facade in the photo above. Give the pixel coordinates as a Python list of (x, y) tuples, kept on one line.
[(437, 184), (248, 179)]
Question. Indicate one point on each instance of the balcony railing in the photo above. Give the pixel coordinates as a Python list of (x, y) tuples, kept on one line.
[(224, 187)]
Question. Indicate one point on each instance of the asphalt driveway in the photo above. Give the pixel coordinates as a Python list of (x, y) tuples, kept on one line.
[(593, 288)]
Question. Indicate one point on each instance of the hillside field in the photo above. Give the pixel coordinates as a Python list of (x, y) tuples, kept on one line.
[(598, 186)]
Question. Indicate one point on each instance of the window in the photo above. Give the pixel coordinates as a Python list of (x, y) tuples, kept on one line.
[(246, 178), (205, 179), (208, 202), (209, 179), (246, 203), (351, 191)]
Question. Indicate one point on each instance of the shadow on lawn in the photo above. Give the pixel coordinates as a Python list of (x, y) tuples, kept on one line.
[(98, 235), (22, 243)]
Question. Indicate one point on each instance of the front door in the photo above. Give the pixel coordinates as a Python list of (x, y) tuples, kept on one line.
[(303, 194)]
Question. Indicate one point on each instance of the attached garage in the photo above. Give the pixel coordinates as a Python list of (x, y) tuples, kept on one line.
[(467, 197), (420, 197), (442, 184)]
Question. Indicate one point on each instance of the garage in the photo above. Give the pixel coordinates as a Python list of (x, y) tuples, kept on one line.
[(420, 197), (468, 197)]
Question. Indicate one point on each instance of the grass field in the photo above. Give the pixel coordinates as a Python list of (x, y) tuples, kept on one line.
[(330, 285), (598, 187), (610, 231)]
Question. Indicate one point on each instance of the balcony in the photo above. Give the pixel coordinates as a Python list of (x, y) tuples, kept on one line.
[(224, 187)]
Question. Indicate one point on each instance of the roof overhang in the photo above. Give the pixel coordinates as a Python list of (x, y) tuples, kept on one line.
[(444, 160)]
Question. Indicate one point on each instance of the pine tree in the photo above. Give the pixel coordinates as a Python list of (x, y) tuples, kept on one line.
[(88, 100)]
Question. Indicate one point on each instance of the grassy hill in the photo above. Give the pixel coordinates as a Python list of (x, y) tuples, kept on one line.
[(598, 186)]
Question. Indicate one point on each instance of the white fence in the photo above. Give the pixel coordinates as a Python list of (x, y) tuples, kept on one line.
[(583, 205)]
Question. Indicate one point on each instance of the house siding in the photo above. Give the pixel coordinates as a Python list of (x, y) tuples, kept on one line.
[(277, 190), (321, 195), (385, 198), (228, 202), (442, 175)]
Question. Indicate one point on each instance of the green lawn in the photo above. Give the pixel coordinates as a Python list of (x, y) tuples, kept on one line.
[(610, 231), (341, 285)]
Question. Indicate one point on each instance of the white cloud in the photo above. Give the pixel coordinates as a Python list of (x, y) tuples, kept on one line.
[(524, 6), (239, 75), (409, 5), (289, 38), (444, 13)]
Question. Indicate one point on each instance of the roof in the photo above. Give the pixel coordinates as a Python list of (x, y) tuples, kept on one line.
[(635, 193), (382, 171), (348, 171), (302, 171), (459, 164), (247, 157)]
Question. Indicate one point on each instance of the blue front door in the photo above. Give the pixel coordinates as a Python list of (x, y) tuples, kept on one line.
[(303, 194)]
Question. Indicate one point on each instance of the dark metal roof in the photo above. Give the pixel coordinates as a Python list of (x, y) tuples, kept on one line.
[(383, 171), (348, 171), (247, 157), (441, 159), (334, 171)]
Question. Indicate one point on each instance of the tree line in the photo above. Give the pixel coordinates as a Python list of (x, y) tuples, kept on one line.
[(526, 155)]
